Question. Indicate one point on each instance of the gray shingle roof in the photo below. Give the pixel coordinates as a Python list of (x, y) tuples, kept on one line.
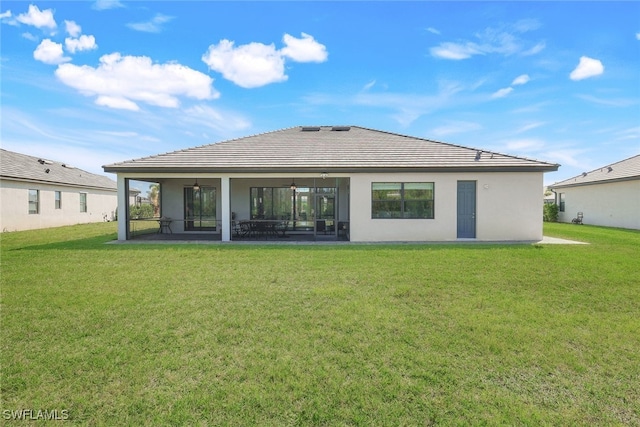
[(623, 170), (23, 167), (327, 148)]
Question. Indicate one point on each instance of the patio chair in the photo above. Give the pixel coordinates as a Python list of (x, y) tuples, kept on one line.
[(577, 219), (245, 229), (282, 228)]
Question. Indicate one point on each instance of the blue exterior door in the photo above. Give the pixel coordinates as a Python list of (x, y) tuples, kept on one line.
[(466, 209)]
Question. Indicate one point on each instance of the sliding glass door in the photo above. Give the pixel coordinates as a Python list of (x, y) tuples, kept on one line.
[(200, 209)]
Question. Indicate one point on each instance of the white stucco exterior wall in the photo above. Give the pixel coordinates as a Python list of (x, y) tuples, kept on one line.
[(615, 204), (14, 206), (508, 208)]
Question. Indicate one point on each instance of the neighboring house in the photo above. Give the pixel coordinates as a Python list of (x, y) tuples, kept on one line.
[(135, 198), (344, 182), (607, 196), (41, 193)]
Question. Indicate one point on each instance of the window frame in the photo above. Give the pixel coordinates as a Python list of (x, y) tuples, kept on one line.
[(57, 199), (35, 202), (83, 203), (398, 194)]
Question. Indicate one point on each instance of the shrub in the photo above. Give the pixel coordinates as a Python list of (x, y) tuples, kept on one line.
[(550, 213), (142, 211)]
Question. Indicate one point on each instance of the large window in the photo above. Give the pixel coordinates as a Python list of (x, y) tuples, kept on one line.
[(200, 208), (83, 202), (34, 201), (402, 200), (271, 203), (58, 200)]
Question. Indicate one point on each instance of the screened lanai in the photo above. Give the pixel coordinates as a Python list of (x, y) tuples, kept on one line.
[(297, 208)]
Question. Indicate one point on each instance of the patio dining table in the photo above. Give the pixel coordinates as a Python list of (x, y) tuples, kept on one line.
[(262, 227)]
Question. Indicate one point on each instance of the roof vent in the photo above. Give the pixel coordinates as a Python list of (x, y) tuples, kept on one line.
[(584, 174), (45, 162), (609, 169), (341, 128), (64, 165), (478, 155), (310, 128)]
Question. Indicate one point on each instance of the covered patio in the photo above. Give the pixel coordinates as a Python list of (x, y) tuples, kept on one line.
[(225, 208)]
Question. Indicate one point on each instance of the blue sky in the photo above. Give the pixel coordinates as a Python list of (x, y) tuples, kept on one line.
[(96, 82)]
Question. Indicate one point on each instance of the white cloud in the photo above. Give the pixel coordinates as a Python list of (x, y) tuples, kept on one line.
[(251, 65), (50, 52), (120, 82), (503, 40), (610, 102), (405, 107), (433, 30), (588, 67), (256, 64), (31, 37), (502, 92), (6, 17), (637, 34), (524, 145), (455, 51), (203, 116), (73, 29), (369, 85), (526, 25), (628, 134), (529, 126), (520, 80), (455, 127), (567, 157), (152, 26), (119, 103), (305, 49), (535, 49), (79, 44), (107, 4), (37, 18)]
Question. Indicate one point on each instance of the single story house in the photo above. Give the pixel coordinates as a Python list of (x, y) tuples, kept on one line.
[(343, 182), (607, 196), (41, 193)]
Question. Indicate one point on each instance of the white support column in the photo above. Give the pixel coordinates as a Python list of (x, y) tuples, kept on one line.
[(123, 205), (225, 198)]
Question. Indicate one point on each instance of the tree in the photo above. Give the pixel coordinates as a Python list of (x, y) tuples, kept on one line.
[(154, 197)]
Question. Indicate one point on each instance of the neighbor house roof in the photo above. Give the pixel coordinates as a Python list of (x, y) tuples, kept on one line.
[(624, 170), (35, 169), (328, 148)]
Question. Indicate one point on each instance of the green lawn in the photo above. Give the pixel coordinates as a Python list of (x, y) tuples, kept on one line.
[(280, 335)]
